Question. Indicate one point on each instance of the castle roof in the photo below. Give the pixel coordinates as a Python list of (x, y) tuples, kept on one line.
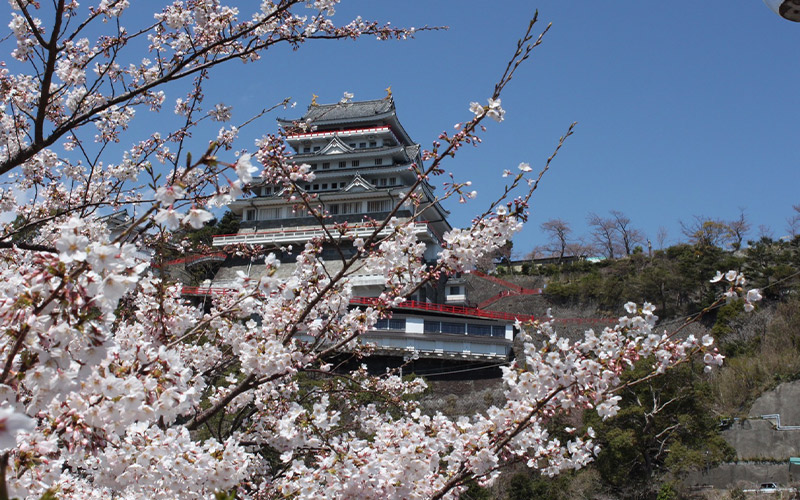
[(324, 115), (348, 111)]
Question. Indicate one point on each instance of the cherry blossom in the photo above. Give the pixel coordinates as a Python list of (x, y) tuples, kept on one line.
[(117, 386)]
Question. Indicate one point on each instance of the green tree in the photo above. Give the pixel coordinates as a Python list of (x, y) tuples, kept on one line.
[(664, 425)]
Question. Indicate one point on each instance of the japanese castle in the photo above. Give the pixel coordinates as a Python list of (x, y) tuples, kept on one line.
[(362, 158)]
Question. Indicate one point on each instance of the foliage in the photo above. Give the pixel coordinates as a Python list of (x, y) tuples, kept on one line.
[(663, 425), (526, 486), (761, 355)]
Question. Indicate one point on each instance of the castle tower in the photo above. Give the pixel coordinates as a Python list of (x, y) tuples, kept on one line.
[(364, 163)]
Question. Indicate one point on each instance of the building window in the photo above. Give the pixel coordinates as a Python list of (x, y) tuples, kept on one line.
[(250, 215), (356, 163), (316, 148), (324, 186), (326, 165), (313, 166), (378, 206), (307, 187), (455, 290), (353, 207), (373, 144), (498, 331), (382, 181), (306, 150), (362, 144), (267, 190), (391, 324), (378, 161), (342, 184), (269, 213), (316, 187), (342, 164), (485, 330), (392, 181), (352, 145), (333, 209), (452, 327), (431, 326)]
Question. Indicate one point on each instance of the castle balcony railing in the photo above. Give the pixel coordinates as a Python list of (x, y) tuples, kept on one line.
[(343, 133), (196, 259), (301, 235), (424, 306), (444, 308)]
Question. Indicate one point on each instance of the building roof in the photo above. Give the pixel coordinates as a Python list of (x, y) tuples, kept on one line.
[(346, 111)]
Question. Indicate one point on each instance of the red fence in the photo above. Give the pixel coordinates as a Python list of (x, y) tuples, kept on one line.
[(194, 258), (520, 290), (426, 306), (443, 308)]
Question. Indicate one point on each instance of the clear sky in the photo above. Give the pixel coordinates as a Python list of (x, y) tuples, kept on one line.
[(683, 108)]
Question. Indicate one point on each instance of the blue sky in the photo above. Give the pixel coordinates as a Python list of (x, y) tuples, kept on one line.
[(683, 108)]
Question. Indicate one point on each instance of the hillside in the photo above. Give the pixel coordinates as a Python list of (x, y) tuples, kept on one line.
[(672, 425)]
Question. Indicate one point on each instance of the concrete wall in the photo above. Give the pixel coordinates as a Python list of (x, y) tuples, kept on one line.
[(744, 475), (759, 439), (785, 399)]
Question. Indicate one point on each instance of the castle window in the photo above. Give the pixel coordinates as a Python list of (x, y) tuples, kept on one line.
[(250, 215), (378, 161), (269, 213), (382, 181), (326, 165), (362, 144), (474, 329), (356, 163), (266, 191), (313, 166), (324, 186), (306, 150), (452, 327), (316, 148), (353, 207), (333, 209), (316, 187), (352, 145), (373, 144), (378, 206), (392, 181), (342, 164), (391, 324)]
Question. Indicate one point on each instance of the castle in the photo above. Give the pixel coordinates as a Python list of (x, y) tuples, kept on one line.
[(362, 158)]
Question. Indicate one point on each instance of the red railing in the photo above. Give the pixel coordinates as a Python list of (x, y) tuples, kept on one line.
[(425, 306), (520, 290), (193, 258), (332, 227), (308, 135), (444, 308)]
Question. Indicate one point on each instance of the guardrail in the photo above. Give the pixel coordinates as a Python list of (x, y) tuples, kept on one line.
[(513, 286), (444, 308), (423, 306), (195, 258), (356, 131), (287, 235)]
